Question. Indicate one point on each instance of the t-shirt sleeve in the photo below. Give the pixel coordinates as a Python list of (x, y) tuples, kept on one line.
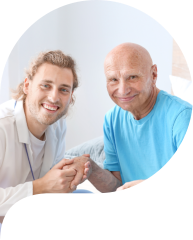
[(111, 161), (180, 126)]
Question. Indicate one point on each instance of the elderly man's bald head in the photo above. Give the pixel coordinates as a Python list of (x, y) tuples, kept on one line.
[(129, 53), (131, 78)]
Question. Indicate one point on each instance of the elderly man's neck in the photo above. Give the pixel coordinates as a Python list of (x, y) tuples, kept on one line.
[(147, 106)]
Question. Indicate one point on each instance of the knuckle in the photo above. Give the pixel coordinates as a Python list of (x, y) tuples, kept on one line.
[(65, 167), (60, 174), (63, 161), (61, 181)]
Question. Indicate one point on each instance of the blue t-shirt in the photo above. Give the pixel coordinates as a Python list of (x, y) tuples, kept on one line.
[(139, 148)]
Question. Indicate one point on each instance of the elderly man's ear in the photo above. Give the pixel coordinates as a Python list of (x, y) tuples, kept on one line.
[(154, 74)]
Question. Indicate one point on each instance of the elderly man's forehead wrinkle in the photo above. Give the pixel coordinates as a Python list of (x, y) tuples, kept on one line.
[(130, 58)]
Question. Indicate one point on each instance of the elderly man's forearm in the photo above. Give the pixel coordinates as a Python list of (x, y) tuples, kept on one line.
[(103, 180)]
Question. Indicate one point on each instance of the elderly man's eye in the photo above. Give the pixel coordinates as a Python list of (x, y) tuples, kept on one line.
[(132, 77), (114, 80)]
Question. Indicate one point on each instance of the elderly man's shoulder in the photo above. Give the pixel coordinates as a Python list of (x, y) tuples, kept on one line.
[(114, 112), (173, 103)]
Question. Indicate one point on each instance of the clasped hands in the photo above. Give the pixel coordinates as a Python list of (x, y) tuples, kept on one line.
[(83, 169), (65, 176)]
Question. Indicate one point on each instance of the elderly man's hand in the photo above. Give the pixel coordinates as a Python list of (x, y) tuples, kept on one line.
[(83, 168), (129, 184)]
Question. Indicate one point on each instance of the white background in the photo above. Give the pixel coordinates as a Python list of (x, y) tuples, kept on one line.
[(88, 31)]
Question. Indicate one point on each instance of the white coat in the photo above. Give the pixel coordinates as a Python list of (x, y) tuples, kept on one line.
[(14, 165)]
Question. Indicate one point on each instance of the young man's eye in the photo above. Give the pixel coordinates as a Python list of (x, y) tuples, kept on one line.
[(63, 90), (45, 86)]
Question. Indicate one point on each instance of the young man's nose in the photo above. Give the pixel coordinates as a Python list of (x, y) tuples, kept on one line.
[(54, 95)]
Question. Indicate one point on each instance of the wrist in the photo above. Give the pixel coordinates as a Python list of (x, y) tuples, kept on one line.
[(95, 169), (37, 187)]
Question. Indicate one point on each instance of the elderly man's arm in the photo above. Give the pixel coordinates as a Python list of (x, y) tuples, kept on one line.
[(104, 180)]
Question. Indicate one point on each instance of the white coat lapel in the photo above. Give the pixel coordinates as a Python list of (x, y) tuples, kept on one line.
[(50, 148)]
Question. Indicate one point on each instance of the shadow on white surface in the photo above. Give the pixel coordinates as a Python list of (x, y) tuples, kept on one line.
[(88, 186)]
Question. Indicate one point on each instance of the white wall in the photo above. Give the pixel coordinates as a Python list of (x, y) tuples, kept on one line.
[(4, 85), (88, 31)]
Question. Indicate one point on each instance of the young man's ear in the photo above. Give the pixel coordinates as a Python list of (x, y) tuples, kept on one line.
[(71, 96), (26, 86)]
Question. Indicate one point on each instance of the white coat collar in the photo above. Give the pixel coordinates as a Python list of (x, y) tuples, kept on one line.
[(21, 124), (23, 134)]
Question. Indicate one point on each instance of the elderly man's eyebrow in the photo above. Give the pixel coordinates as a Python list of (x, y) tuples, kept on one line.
[(50, 81), (111, 76), (126, 73)]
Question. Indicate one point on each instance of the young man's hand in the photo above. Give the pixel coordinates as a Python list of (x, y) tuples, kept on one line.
[(129, 184), (83, 168), (57, 180)]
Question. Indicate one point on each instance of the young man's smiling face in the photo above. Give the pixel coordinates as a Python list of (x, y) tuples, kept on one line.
[(49, 93)]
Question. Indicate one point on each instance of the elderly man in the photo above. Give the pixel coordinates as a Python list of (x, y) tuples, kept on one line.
[(145, 128), (32, 133)]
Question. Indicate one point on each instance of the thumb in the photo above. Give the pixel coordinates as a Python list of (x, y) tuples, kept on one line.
[(62, 163), (86, 155)]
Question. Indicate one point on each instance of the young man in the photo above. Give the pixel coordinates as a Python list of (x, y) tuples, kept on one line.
[(32, 133)]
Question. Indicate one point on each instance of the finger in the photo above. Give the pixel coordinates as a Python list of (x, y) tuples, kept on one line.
[(66, 167), (87, 164), (86, 171), (83, 178), (69, 179), (72, 190), (69, 172), (76, 180), (119, 188), (62, 163)]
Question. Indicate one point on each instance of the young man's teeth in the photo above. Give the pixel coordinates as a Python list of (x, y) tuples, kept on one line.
[(50, 108)]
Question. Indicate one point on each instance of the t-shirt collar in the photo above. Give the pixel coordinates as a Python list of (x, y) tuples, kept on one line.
[(148, 116)]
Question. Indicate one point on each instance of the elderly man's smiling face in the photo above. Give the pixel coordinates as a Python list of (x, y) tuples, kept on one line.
[(131, 77)]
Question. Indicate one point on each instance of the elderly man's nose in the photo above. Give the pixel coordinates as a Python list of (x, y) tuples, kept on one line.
[(123, 88)]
